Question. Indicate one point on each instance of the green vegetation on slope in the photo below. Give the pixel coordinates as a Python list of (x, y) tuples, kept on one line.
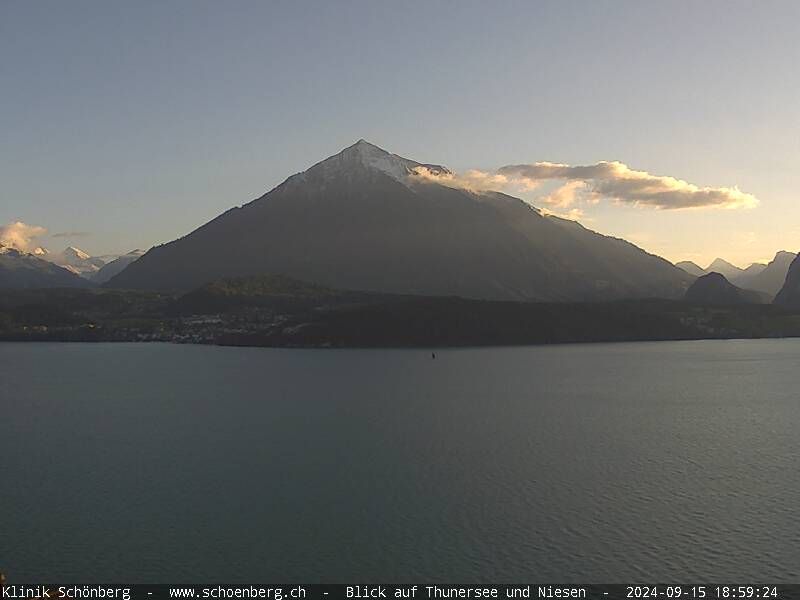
[(280, 311)]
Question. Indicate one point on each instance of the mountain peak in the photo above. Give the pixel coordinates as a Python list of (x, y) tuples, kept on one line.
[(691, 268), (715, 278), (361, 143), (367, 151), (723, 266), (784, 255), (364, 154), (11, 250), (72, 251), (714, 288), (720, 262), (371, 156)]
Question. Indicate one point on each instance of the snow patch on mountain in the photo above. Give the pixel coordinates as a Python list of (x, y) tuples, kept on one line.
[(74, 254), (77, 261), (364, 155)]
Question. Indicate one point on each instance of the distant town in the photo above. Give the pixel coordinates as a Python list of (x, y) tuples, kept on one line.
[(282, 312)]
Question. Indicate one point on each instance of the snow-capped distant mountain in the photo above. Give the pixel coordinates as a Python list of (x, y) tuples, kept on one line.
[(78, 258), (25, 270), (77, 261)]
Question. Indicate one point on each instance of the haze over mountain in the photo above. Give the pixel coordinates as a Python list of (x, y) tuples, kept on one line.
[(691, 268), (365, 219), (789, 295), (714, 288), (753, 270), (19, 270), (115, 266), (770, 278), (767, 278), (723, 267), (76, 260)]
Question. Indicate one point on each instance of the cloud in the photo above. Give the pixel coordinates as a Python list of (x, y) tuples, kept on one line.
[(574, 214), (70, 234), (589, 184), (20, 235), (564, 196), (474, 179), (616, 181)]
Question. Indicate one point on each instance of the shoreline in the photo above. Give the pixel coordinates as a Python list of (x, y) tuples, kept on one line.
[(322, 346)]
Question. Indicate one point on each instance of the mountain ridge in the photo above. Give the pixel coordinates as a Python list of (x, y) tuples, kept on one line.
[(771, 278), (789, 294), (362, 220), (115, 266), (22, 270), (715, 289), (722, 266), (691, 267)]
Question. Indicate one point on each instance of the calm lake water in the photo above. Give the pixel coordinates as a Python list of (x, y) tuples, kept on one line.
[(671, 462)]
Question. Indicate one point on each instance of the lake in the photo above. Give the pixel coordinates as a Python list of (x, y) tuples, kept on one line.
[(156, 463)]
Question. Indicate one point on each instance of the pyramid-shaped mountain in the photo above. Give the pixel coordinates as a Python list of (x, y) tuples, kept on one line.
[(364, 219), (714, 288)]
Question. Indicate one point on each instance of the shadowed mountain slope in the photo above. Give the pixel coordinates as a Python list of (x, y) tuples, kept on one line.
[(714, 288), (725, 268), (691, 268), (116, 266), (771, 278), (790, 292), (19, 270), (364, 220)]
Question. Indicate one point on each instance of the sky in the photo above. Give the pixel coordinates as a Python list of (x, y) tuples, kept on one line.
[(128, 124)]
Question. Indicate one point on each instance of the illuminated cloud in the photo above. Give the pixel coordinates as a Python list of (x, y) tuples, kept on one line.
[(475, 180), (589, 184), (20, 235), (564, 196), (616, 181)]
